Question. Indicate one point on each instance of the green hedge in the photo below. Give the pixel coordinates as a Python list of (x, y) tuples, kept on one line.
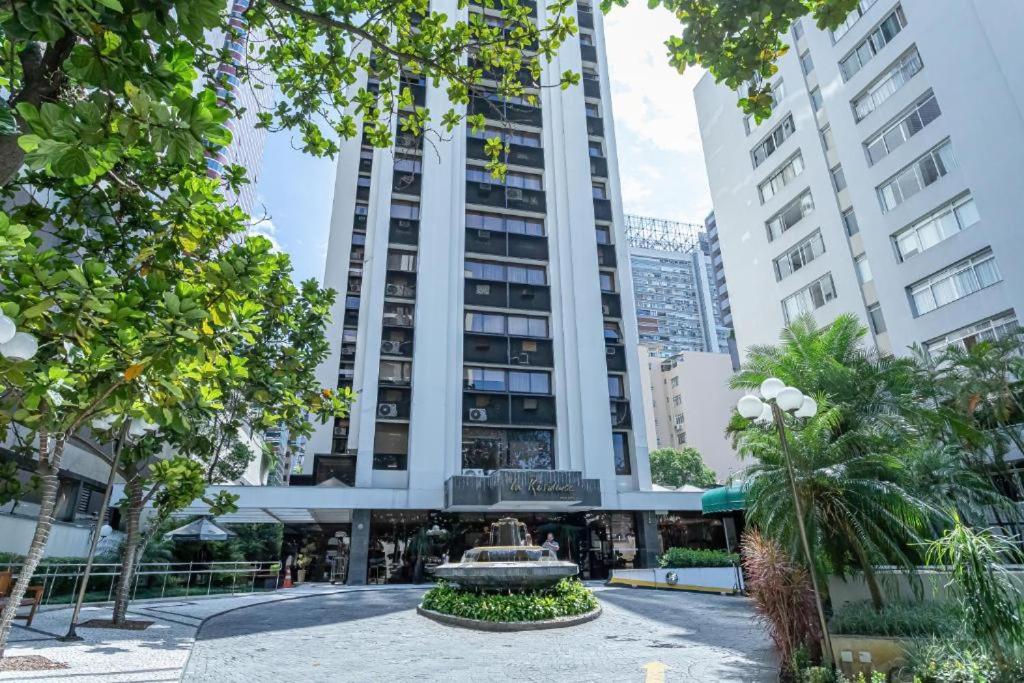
[(681, 558), (566, 599), (898, 620)]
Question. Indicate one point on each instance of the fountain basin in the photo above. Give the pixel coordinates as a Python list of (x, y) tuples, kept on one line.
[(506, 575)]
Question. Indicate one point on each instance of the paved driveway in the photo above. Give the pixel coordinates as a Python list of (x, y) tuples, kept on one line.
[(377, 636)]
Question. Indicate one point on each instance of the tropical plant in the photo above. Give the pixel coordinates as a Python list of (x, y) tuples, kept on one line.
[(783, 597), (906, 619), (952, 661), (675, 467), (678, 558), (567, 598), (993, 605)]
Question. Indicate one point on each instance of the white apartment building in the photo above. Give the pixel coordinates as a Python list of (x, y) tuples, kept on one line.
[(885, 183), (488, 330)]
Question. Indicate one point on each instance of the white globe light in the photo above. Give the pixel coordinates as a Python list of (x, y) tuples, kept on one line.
[(771, 387), (21, 346), (7, 329), (105, 530), (809, 408), (766, 417), (789, 399), (750, 406)]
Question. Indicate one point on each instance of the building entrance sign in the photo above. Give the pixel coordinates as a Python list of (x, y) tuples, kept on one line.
[(523, 489)]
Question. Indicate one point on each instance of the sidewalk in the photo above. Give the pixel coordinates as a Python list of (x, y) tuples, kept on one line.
[(158, 653)]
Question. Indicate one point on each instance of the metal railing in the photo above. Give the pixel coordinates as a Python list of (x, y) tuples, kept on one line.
[(152, 579)]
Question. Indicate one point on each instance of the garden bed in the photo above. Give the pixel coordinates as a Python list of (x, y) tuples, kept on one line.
[(566, 604)]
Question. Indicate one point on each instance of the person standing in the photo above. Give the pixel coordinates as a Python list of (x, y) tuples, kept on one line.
[(551, 544)]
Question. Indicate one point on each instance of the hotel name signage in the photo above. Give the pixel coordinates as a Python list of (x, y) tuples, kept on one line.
[(523, 488)]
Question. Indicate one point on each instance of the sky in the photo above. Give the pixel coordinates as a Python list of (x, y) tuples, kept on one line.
[(661, 164)]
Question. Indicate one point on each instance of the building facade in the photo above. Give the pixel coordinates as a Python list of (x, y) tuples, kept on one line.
[(884, 183), (488, 330), (677, 300)]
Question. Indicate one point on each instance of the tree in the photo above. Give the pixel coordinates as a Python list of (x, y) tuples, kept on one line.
[(680, 467)]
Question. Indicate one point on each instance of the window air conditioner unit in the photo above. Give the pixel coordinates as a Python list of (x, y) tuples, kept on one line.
[(484, 187), (521, 358), (341, 432), (387, 410), (478, 415), (348, 350), (391, 346), (609, 350), (393, 290), (514, 193), (403, 223), (530, 404), (483, 234), (474, 473)]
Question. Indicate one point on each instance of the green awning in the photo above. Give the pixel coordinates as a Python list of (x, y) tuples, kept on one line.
[(724, 499)]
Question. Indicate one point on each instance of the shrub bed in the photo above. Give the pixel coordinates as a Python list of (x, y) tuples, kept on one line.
[(682, 558), (898, 620), (566, 599)]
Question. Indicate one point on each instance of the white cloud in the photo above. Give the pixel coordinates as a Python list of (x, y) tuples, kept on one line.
[(660, 157), (264, 227)]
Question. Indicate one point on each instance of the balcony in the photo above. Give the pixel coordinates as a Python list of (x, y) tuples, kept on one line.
[(602, 209), (393, 410), (588, 53), (518, 155), (533, 410), (606, 255), (404, 182), (404, 231), (615, 355), (611, 307), (599, 167), (595, 126), (506, 112), (363, 192), (620, 413), (359, 222), (365, 165), (351, 318), (586, 19), (400, 286), (591, 87), (491, 194), (507, 295), (402, 320), (396, 347), (484, 408), (480, 241)]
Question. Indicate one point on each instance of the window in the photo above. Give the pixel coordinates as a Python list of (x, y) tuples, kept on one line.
[(886, 85), (481, 220), (772, 141), (487, 323), (798, 30), (514, 179), (520, 382), (405, 210), (955, 282), (827, 140), (620, 446), (362, 208), (677, 400), (806, 63), (863, 269), (595, 148), (402, 261), (992, 329), (499, 272), (780, 178), (395, 372), (937, 226), (492, 449), (920, 174), (838, 179), (923, 112), (509, 135), (790, 215), (616, 387), (527, 326), (485, 379), (363, 181), (852, 18), (816, 101), (612, 333), (598, 190), (675, 382), (592, 109), (778, 94), (872, 44), (586, 38), (876, 319), (810, 298), (604, 234), (799, 256), (390, 440), (607, 282), (850, 222), (405, 163)]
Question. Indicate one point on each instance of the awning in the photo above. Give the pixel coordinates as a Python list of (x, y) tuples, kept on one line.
[(724, 499), (199, 530)]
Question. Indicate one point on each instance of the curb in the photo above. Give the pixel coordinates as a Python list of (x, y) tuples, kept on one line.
[(508, 626)]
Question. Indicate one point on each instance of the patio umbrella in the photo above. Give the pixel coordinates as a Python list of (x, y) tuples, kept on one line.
[(200, 530)]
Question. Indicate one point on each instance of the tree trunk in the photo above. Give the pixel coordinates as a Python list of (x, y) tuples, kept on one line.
[(131, 542), (47, 469), (865, 565)]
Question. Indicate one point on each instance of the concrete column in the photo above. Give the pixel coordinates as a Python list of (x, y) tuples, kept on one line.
[(648, 540), (358, 552)]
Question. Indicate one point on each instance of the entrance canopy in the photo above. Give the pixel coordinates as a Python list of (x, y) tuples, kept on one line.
[(724, 499)]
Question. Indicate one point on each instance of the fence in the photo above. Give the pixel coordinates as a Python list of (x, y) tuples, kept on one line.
[(60, 580)]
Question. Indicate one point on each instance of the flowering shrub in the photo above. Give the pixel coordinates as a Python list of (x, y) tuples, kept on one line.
[(568, 598)]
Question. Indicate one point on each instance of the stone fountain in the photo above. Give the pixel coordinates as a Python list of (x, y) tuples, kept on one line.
[(507, 563)]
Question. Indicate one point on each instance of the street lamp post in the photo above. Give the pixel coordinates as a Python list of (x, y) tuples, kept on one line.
[(779, 399)]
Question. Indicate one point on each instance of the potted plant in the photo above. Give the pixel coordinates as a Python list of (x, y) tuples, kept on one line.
[(303, 561)]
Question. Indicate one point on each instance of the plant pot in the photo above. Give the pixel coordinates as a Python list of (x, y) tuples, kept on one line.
[(300, 576)]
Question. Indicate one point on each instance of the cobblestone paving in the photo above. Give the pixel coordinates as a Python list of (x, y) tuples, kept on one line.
[(377, 636)]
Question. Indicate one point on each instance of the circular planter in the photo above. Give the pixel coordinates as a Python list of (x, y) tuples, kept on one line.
[(507, 626)]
